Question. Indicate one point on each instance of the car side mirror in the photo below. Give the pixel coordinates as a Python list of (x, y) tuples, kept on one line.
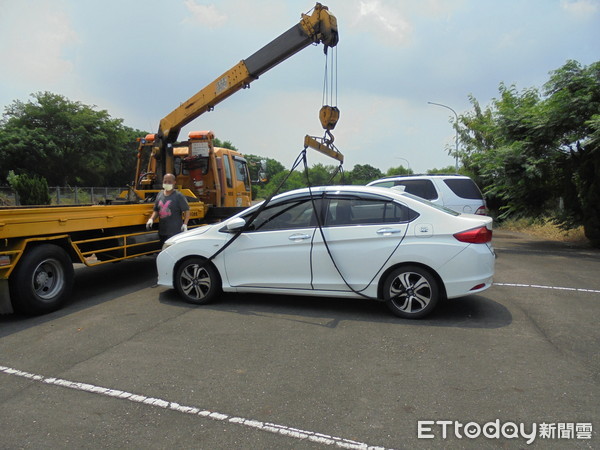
[(235, 224)]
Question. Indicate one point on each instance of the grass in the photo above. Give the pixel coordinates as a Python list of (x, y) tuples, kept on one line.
[(544, 228)]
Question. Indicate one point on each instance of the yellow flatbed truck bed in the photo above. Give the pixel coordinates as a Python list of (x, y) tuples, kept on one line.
[(25, 222), (38, 246)]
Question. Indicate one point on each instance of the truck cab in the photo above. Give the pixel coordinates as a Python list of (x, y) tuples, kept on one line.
[(216, 176)]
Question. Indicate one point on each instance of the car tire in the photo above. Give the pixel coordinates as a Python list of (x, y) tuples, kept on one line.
[(411, 292), (197, 281), (42, 281)]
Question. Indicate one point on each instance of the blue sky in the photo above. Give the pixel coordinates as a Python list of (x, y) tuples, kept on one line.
[(140, 59)]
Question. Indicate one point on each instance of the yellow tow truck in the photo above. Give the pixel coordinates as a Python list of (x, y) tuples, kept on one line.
[(38, 245)]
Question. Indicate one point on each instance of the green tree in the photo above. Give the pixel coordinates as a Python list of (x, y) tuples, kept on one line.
[(444, 170), (533, 152), (126, 155), (400, 170), (322, 175), (573, 121), (296, 180), (66, 142), (362, 174), (32, 190), (224, 144)]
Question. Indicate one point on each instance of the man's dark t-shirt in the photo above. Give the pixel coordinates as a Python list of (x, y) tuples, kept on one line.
[(170, 209)]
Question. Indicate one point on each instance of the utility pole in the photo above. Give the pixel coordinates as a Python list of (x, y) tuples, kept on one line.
[(456, 139)]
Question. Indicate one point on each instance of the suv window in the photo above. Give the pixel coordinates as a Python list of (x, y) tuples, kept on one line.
[(464, 188), (433, 205), (422, 188), (387, 184), (366, 211)]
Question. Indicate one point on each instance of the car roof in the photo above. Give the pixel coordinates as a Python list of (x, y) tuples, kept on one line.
[(422, 175), (408, 199), (347, 188)]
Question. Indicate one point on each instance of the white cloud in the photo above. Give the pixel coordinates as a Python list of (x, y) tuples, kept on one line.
[(206, 15), (33, 43), (393, 22), (581, 9), (437, 8), (385, 20)]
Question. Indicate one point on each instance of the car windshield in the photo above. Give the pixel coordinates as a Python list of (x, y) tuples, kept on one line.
[(433, 205)]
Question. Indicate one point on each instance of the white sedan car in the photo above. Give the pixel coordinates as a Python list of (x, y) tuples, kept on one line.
[(336, 241)]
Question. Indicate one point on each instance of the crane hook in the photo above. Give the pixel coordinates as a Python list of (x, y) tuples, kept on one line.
[(329, 116)]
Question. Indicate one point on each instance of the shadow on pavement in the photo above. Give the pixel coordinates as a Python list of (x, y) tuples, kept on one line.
[(474, 311), (93, 286), (96, 285)]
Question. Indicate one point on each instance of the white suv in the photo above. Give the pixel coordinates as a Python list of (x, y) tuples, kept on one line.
[(457, 192)]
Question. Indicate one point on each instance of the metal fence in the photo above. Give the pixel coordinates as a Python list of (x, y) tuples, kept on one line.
[(66, 195)]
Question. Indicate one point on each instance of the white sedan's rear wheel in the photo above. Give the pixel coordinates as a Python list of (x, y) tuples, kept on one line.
[(411, 292)]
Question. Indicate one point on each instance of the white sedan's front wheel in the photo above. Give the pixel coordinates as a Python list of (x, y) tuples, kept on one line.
[(411, 292), (197, 281)]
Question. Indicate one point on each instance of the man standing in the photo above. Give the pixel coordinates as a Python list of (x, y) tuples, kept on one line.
[(169, 207)]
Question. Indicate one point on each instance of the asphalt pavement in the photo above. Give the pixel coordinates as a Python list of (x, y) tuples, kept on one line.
[(127, 364)]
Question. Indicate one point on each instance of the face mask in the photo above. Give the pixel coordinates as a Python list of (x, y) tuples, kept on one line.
[(167, 187)]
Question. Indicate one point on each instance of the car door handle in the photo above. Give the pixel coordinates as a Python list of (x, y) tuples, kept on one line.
[(387, 231), (299, 237)]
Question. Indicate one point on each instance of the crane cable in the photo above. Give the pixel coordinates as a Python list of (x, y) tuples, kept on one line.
[(330, 92), (329, 113)]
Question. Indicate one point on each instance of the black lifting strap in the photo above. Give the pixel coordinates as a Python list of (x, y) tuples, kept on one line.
[(338, 169), (320, 226)]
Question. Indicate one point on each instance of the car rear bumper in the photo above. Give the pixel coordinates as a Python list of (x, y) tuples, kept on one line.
[(469, 272)]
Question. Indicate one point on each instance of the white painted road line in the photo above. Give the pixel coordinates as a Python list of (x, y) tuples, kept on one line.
[(541, 286), (282, 430)]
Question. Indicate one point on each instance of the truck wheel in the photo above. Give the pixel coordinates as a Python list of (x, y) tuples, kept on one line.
[(42, 280)]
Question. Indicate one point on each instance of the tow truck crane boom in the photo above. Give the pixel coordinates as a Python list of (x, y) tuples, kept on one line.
[(318, 27)]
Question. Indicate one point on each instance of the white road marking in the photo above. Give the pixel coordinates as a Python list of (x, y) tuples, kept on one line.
[(283, 430), (541, 286)]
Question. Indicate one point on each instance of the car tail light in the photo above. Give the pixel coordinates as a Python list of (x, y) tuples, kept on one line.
[(479, 235), (482, 211)]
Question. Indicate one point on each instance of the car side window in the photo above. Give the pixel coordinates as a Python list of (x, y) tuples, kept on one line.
[(342, 212), (421, 188), (285, 216)]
